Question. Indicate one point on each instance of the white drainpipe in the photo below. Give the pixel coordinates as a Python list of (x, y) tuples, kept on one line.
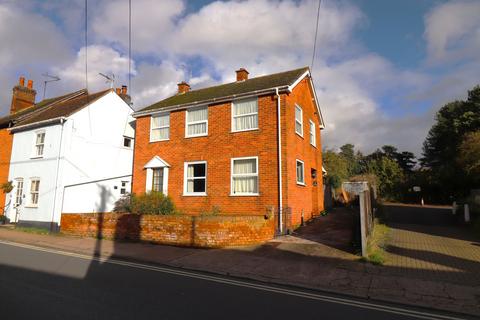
[(62, 123), (280, 197)]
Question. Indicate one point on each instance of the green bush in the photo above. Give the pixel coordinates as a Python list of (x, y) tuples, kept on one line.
[(152, 203), (122, 205)]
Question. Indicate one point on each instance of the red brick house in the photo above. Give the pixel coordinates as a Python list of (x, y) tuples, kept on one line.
[(221, 148)]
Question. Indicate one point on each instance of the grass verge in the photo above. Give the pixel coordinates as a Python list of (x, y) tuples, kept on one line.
[(377, 243), (32, 230)]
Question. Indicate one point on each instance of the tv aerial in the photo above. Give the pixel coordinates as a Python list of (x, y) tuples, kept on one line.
[(109, 79), (49, 78)]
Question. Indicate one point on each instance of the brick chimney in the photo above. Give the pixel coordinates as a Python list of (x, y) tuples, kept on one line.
[(183, 87), (122, 93), (22, 97), (242, 74)]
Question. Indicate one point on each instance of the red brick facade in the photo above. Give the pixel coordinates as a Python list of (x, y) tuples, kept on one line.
[(182, 230), (5, 152), (221, 145)]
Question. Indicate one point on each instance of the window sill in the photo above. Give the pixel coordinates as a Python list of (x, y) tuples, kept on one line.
[(313, 145), (31, 206), (301, 184), (202, 194), (152, 141), (246, 130), (36, 157), (244, 194), (300, 135), (197, 136)]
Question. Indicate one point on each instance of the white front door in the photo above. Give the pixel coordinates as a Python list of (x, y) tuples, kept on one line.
[(17, 203)]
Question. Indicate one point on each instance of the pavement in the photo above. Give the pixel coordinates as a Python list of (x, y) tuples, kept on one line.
[(317, 257)]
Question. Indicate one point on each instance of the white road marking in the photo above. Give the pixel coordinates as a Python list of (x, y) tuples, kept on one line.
[(238, 283)]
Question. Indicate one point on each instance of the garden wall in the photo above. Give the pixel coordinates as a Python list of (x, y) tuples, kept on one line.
[(182, 230)]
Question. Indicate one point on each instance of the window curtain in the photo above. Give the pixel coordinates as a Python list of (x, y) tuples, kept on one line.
[(161, 127), (249, 182), (243, 117), (198, 115), (195, 116)]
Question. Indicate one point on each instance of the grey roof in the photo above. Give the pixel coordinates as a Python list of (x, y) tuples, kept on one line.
[(226, 90)]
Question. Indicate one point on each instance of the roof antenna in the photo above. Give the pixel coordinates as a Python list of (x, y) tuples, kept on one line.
[(45, 82), (110, 79)]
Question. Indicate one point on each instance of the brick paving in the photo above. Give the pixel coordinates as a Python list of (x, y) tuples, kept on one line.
[(438, 253)]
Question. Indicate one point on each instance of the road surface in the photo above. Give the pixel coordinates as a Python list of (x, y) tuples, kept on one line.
[(37, 283)]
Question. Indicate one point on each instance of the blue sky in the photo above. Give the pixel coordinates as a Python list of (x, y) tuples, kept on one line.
[(382, 70)]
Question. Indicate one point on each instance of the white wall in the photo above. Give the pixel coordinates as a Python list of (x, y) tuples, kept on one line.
[(24, 165), (92, 161)]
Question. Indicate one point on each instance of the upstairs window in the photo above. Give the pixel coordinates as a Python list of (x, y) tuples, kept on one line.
[(245, 115), (298, 120), (195, 182), (160, 127), (34, 191), (245, 176), (313, 136), (39, 144), (197, 122)]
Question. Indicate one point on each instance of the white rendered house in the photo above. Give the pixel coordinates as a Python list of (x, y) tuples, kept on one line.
[(70, 154)]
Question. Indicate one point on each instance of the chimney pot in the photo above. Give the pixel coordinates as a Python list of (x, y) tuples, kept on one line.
[(30, 84), (118, 91), (124, 90), (21, 81), (183, 87), (242, 74)]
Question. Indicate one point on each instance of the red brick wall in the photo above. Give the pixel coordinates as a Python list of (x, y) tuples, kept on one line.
[(5, 152), (182, 230), (308, 198), (217, 149)]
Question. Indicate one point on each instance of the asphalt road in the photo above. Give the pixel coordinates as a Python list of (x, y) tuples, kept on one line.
[(40, 283)]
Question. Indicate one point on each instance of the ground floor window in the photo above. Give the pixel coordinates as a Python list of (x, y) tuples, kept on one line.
[(157, 181), (34, 191), (245, 176), (195, 178), (300, 172)]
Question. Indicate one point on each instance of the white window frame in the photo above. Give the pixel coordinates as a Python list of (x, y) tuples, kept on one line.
[(302, 183), (244, 175), (185, 170), (161, 127), (30, 202), (243, 115), (195, 122), (297, 121), (313, 134), (35, 145)]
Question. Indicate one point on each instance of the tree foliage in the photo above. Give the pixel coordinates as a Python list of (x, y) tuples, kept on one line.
[(469, 155), (442, 145)]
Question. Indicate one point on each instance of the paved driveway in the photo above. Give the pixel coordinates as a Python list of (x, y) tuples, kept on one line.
[(426, 243)]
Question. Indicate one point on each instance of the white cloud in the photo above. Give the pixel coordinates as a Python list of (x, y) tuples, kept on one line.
[(101, 59), (452, 31)]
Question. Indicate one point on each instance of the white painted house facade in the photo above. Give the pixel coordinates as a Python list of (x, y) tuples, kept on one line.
[(73, 156)]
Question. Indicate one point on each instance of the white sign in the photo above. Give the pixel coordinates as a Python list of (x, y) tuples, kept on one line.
[(355, 187), (417, 189)]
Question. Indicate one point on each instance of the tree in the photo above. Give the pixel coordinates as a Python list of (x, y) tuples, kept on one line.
[(337, 168), (389, 176), (441, 147), (347, 151), (469, 155), (406, 161)]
